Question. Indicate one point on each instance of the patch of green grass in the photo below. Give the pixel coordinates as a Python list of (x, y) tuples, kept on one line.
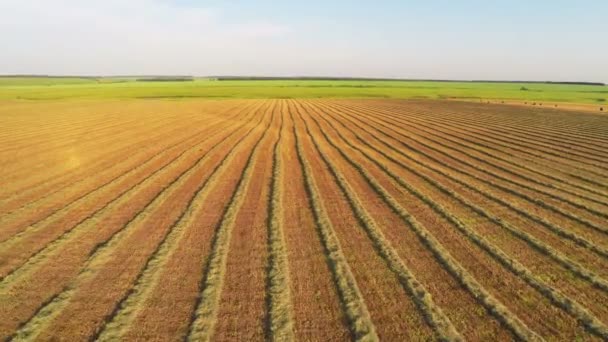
[(38, 88), (43, 81)]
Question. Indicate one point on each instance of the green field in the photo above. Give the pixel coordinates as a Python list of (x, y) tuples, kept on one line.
[(40, 88)]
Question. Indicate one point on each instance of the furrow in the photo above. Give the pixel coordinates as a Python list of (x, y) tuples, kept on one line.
[(534, 242), (360, 324), (98, 274), (435, 316), (14, 251), (576, 238), (491, 142), (58, 167), (578, 311), (279, 307), (445, 135), (97, 247), (514, 136), (204, 318), (451, 139), (82, 175)]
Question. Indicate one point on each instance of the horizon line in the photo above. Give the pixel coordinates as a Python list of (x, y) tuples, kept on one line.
[(292, 77)]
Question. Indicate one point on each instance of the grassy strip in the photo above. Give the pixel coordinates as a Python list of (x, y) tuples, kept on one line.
[(524, 166), (104, 163), (47, 170), (479, 147), (88, 197), (557, 134), (526, 197), (544, 152), (563, 122), (45, 315), (493, 306), (445, 135), (516, 174), (593, 324), (529, 239), (29, 331), (128, 306), (205, 316), (93, 217), (554, 228), (279, 306), (356, 312), (432, 312), (39, 90), (432, 129), (526, 141), (38, 193)]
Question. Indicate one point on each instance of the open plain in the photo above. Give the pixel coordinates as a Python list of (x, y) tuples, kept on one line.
[(302, 219)]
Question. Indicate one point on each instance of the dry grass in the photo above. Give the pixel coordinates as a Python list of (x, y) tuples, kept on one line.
[(119, 219)]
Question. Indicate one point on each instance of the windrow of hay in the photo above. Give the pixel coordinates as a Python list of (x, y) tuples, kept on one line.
[(353, 304), (205, 316), (435, 316)]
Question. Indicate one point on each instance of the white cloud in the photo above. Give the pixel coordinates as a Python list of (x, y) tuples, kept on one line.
[(122, 37), (160, 37)]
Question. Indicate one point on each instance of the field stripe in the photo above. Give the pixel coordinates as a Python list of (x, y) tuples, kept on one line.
[(69, 121), (129, 306), (279, 307), (448, 129), (492, 141), (97, 263), (563, 124), (538, 133), (446, 133), (157, 201), (494, 127), (16, 245), (110, 148), (598, 227), (59, 136), (45, 146), (527, 178), (533, 242), (317, 310), (422, 298), (51, 161), (360, 324), (443, 256), (50, 188), (82, 174), (204, 318), (190, 249), (28, 189), (45, 213), (479, 148), (442, 127), (578, 311), (576, 238)]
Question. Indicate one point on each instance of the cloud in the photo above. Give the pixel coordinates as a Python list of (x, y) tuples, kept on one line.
[(297, 38), (112, 36), (260, 29)]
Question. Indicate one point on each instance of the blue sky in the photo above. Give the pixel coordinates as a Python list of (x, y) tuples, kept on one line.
[(523, 40)]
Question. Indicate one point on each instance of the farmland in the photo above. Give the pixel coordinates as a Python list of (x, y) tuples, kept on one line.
[(299, 219), (64, 88)]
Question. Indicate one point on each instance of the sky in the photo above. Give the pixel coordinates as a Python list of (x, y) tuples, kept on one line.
[(436, 39)]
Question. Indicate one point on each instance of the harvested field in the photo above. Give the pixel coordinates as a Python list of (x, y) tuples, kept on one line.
[(308, 219)]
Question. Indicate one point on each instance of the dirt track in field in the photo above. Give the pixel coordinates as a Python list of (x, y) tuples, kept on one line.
[(302, 220)]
